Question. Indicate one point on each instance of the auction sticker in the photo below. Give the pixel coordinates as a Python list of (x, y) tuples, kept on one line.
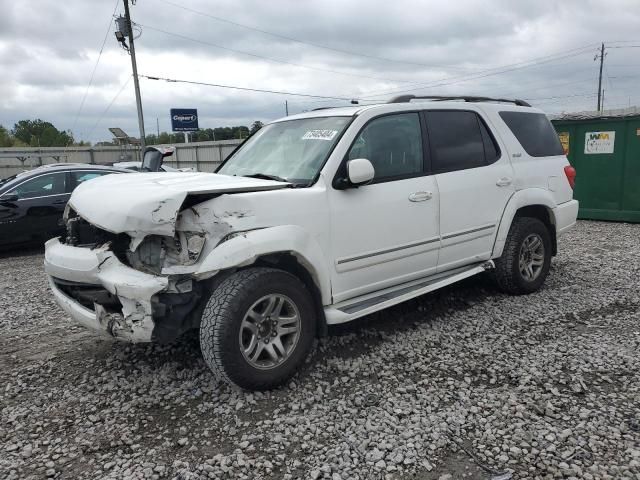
[(320, 135)]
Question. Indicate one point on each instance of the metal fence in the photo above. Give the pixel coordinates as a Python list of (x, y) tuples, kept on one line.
[(200, 156)]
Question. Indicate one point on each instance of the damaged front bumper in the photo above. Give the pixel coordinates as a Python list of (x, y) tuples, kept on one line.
[(103, 294)]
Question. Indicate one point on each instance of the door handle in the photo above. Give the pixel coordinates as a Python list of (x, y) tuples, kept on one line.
[(420, 196), (504, 182)]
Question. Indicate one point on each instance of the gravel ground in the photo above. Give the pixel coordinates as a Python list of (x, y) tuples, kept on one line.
[(463, 383)]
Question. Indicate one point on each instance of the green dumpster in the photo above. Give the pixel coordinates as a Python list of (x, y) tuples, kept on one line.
[(604, 148)]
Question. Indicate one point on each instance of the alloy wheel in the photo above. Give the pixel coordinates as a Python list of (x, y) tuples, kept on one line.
[(270, 331), (531, 260)]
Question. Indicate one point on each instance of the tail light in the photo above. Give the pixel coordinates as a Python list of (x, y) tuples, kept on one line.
[(570, 172)]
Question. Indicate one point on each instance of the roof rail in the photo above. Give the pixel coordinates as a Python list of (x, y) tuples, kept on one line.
[(352, 102), (466, 98)]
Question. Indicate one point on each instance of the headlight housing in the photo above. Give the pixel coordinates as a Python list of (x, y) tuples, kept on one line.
[(156, 252)]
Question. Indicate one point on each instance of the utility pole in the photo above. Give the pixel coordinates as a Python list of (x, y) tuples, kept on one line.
[(601, 56), (286, 108), (134, 66), (158, 127)]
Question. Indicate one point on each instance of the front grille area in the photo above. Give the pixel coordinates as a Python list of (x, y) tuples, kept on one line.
[(88, 295)]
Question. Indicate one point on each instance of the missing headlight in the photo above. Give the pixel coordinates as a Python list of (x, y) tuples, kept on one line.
[(156, 252), (195, 244)]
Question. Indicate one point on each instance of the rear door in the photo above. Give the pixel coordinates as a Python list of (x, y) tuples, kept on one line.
[(475, 181)]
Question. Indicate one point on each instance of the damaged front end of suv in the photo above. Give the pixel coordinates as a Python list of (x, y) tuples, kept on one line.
[(128, 266), (130, 297)]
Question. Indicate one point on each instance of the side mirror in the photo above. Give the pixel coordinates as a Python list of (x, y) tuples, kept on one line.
[(360, 171), (9, 198), (154, 157)]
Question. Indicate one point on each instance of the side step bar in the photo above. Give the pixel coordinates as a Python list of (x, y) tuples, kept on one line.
[(364, 305)]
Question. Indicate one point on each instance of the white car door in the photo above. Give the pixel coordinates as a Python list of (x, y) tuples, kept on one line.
[(385, 233), (475, 181)]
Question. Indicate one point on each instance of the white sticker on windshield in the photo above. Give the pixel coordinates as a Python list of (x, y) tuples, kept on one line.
[(319, 135)]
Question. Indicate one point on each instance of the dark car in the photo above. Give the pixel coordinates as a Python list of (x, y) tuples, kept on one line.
[(32, 203)]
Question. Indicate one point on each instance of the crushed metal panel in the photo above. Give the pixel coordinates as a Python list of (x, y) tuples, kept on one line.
[(149, 203)]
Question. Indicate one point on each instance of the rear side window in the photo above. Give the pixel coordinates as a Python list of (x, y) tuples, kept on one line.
[(80, 177), (491, 151), (459, 140), (534, 132)]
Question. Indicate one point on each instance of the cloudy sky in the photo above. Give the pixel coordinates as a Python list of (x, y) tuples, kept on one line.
[(538, 50)]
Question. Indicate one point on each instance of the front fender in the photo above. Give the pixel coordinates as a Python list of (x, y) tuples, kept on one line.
[(522, 198), (244, 248)]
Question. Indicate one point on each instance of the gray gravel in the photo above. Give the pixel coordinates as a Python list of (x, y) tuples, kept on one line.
[(463, 383)]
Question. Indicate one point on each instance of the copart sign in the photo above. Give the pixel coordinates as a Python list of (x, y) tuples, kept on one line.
[(599, 142), (184, 119)]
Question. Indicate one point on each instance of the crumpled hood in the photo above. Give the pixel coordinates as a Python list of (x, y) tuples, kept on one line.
[(148, 203)]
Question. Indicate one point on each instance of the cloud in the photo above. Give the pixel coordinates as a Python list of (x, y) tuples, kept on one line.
[(47, 61)]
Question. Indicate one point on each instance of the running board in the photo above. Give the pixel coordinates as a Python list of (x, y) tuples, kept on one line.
[(364, 305)]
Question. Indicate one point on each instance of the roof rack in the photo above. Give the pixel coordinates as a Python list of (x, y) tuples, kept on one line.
[(352, 102), (466, 98)]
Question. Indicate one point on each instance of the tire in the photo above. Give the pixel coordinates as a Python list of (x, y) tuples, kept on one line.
[(509, 275), (242, 315)]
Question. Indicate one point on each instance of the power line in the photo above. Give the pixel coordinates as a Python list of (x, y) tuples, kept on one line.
[(512, 93), (170, 80), (271, 59), (490, 72), (95, 67), (589, 94), (546, 85), (305, 42), (606, 72), (233, 87), (106, 110), (533, 66)]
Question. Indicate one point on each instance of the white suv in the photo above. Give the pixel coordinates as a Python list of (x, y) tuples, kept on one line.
[(317, 219)]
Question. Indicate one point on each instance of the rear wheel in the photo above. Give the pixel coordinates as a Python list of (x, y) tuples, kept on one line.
[(525, 261), (257, 328)]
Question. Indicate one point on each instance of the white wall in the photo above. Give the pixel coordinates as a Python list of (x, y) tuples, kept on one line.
[(201, 156)]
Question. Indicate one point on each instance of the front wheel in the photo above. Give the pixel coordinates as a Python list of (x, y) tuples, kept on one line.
[(526, 259), (257, 328)]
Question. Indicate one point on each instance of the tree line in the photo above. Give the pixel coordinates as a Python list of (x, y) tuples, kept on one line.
[(205, 134), (35, 133), (39, 133)]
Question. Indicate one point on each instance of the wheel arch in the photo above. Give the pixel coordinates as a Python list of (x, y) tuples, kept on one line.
[(533, 202), (289, 248), (290, 263)]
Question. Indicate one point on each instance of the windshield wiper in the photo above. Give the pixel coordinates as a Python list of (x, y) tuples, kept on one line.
[(265, 176)]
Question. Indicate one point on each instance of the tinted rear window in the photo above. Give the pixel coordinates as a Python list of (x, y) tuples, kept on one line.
[(534, 132)]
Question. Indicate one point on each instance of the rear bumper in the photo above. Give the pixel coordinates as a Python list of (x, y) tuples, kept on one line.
[(565, 215), (128, 315)]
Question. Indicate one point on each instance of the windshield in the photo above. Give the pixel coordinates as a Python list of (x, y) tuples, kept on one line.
[(293, 150)]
